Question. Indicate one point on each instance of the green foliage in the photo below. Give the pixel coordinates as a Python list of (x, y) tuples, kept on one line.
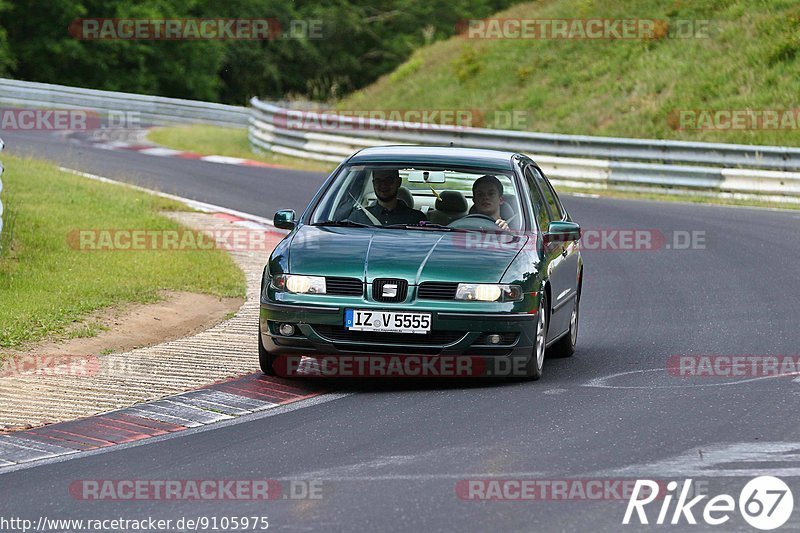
[(45, 51), (405, 70), (467, 65), (6, 59), (785, 37), (523, 73), (745, 56), (358, 43)]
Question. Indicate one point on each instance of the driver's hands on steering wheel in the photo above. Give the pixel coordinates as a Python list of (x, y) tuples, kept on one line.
[(502, 224)]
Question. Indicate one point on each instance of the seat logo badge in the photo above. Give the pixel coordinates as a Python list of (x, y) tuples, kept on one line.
[(389, 290)]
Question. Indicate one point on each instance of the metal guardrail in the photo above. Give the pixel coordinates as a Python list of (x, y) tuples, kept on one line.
[(153, 109), (604, 162)]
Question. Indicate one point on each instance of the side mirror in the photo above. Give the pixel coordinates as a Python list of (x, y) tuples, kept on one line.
[(562, 232), (284, 219)]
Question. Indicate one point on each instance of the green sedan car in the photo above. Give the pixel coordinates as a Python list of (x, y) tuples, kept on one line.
[(429, 256)]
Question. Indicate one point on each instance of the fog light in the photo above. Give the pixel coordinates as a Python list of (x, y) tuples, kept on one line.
[(493, 338), (287, 330)]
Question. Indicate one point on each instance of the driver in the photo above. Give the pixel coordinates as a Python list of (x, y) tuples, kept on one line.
[(487, 197), (388, 210)]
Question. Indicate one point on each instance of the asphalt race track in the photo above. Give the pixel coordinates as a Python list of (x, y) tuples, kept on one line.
[(390, 457), (251, 189)]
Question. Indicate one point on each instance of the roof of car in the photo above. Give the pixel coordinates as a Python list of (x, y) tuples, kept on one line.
[(468, 157)]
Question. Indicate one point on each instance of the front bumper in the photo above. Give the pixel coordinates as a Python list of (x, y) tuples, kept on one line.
[(320, 331)]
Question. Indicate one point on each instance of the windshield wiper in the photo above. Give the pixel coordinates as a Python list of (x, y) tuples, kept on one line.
[(424, 225), (347, 223)]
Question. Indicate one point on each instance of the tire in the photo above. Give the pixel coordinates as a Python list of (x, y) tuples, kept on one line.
[(265, 360), (565, 346), (533, 369)]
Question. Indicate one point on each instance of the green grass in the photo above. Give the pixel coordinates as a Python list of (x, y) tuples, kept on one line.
[(85, 331), (625, 88), (47, 287), (215, 140)]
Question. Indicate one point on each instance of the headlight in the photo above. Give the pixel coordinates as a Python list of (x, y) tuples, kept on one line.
[(488, 292), (299, 284)]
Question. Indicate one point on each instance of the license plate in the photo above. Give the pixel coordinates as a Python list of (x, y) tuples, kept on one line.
[(387, 321)]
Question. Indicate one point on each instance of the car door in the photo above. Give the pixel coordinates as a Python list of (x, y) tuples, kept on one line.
[(566, 272), (553, 253)]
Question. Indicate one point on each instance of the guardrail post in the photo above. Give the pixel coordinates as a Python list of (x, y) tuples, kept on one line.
[(2, 145)]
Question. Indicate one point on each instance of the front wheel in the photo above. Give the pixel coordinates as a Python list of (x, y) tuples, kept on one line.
[(533, 370)]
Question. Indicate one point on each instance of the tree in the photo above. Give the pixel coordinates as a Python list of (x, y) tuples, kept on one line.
[(6, 59), (359, 42), (45, 51)]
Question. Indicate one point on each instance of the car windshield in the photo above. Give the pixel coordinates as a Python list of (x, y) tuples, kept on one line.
[(429, 197)]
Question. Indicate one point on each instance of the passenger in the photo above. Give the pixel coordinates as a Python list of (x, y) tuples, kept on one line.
[(487, 197), (389, 209)]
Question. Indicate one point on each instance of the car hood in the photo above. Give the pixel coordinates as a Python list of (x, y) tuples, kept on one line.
[(415, 255)]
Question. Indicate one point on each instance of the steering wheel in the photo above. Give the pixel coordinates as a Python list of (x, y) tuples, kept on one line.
[(474, 221)]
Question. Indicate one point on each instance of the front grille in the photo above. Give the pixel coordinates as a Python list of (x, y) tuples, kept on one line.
[(344, 286), (434, 338), (400, 289), (437, 290)]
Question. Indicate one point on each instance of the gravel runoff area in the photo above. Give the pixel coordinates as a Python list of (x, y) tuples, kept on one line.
[(107, 382)]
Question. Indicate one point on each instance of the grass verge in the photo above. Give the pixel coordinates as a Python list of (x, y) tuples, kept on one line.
[(46, 286), (712, 55), (232, 142)]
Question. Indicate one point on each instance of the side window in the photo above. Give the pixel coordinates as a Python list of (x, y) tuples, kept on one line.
[(539, 206), (556, 210)]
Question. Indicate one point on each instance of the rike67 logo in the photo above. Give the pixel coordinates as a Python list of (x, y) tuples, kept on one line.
[(765, 502)]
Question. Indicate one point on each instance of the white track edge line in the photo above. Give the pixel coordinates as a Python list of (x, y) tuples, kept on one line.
[(195, 204)]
